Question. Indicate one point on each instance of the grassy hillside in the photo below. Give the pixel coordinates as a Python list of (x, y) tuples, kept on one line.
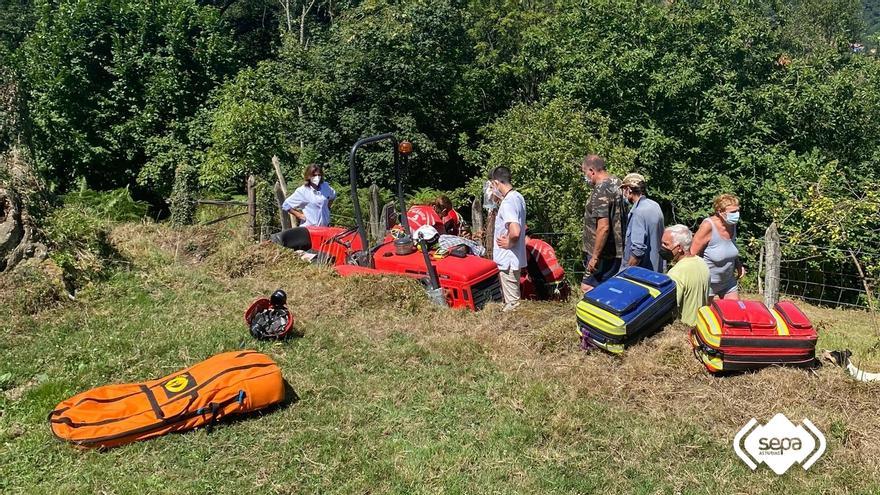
[(397, 396)]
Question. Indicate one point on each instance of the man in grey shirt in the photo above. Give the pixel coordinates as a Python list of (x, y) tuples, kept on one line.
[(644, 226)]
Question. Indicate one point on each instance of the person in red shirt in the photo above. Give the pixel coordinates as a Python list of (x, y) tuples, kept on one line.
[(450, 218)]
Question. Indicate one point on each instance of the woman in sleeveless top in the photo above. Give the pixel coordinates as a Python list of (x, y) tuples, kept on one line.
[(715, 241)]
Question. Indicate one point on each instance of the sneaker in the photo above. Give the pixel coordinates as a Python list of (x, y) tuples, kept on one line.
[(510, 307)]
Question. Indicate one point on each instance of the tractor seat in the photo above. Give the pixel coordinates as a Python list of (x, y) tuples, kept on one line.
[(297, 238)]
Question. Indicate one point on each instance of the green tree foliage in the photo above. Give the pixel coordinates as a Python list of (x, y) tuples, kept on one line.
[(106, 76), (251, 120), (254, 25), (184, 195), (381, 67), (872, 16), (543, 145), (762, 98), (711, 95), (16, 20)]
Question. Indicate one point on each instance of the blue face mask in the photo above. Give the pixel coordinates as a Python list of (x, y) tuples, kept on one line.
[(732, 218), (588, 181)]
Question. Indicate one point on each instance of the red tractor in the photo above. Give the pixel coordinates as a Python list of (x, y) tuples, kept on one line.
[(464, 280)]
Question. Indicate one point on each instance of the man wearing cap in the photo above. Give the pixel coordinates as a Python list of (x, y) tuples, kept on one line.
[(603, 224), (644, 226)]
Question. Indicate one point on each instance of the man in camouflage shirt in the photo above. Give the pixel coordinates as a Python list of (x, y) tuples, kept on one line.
[(603, 224)]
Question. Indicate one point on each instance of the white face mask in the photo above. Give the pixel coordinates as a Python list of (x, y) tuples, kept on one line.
[(494, 192), (315, 180), (488, 197), (732, 218)]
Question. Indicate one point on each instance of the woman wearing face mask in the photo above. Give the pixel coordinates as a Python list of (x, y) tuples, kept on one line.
[(311, 202), (715, 241)]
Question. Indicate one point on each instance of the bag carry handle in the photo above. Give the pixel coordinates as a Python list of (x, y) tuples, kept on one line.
[(703, 347), (787, 318), (731, 323)]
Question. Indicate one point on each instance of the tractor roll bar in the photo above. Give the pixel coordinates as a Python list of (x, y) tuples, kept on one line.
[(353, 177)]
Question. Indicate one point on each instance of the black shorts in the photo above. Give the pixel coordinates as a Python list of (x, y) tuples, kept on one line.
[(605, 269)]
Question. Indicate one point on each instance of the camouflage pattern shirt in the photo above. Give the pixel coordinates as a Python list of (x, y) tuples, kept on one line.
[(605, 202)]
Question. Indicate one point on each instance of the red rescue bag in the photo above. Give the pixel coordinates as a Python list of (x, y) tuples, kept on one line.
[(742, 335)]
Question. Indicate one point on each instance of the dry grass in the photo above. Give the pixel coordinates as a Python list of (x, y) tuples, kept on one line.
[(153, 243), (661, 379), (31, 287), (658, 381)]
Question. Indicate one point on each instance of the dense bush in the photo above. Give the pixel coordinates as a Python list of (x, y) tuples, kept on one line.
[(79, 230), (184, 195), (543, 145), (382, 67), (106, 76)]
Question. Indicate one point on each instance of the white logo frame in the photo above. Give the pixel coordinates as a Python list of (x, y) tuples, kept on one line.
[(780, 444)]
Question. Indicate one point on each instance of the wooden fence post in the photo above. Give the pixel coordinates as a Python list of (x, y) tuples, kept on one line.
[(276, 164), (252, 206), (487, 235), (761, 271), (279, 197), (386, 218), (477, 216), (772, 261), (869, 291), (292, 221), (374, 212)]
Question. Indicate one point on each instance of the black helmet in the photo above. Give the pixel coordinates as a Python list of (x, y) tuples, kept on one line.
[(278, 298)]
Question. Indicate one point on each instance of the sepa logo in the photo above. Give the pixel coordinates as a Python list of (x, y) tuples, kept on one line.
[(779, 444)]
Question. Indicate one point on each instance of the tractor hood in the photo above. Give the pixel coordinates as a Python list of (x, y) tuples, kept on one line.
[(467, 270)]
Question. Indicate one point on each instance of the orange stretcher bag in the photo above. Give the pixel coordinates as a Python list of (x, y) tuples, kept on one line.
[(230, 383)]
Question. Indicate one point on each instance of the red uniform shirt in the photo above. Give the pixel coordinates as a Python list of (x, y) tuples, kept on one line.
[(452, 223), (420, 215)]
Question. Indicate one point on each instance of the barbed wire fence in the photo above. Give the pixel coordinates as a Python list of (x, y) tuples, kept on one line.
[(822, 275)]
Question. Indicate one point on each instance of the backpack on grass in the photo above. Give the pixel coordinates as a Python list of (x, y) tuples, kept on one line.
[(226, 384)]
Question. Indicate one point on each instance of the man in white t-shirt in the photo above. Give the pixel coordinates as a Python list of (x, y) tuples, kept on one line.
[(509, 235)]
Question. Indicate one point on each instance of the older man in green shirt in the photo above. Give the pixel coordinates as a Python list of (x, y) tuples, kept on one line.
[(691, 274)]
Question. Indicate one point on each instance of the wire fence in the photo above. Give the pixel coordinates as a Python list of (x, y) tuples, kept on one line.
[(825, 275), (818, 274)]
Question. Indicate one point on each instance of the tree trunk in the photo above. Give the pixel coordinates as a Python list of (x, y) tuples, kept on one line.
[(17, 228), (285, 5)]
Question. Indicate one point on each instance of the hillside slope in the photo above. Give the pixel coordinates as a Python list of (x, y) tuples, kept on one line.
[(397, 396)]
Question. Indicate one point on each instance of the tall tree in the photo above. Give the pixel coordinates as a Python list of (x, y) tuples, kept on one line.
[(105, 76)]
